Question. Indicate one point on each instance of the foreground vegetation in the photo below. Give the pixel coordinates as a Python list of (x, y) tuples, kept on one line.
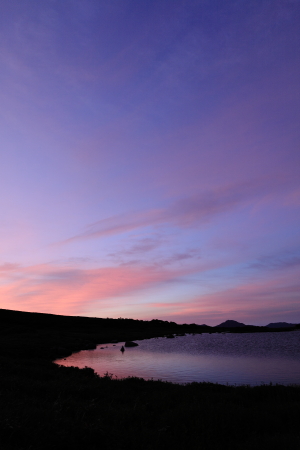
[(44, 406)]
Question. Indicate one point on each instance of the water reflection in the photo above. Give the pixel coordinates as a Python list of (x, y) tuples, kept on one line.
[(220, 358)]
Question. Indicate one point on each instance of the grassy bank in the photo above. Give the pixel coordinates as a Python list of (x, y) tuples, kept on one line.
[(44, 406)]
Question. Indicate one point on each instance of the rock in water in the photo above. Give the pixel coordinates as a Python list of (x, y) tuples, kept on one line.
[(131, 344)]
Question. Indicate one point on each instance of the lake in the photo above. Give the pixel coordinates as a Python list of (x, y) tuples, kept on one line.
[(225, 358)]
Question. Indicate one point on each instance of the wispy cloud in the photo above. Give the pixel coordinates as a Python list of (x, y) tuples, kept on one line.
[(8, 267), (256, 303), (141, 246), (118, 224), (279, 261), (69, 290), (186, 212)]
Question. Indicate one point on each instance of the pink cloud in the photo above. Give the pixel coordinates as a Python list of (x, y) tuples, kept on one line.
[(68, 290), (186, 212), (256, 303), (8, 267), (65, 290)]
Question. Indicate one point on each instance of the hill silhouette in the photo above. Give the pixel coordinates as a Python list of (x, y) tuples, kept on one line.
[(235, 324), (280, 325), (231, 324)]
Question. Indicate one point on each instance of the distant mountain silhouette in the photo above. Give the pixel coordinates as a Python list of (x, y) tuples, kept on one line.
[(234, 323), (231, 324), (280, 325)]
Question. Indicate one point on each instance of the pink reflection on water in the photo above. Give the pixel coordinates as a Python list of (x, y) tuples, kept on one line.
[(165, 360)]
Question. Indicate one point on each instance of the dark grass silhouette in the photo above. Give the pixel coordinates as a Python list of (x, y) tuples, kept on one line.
[(44, 406)]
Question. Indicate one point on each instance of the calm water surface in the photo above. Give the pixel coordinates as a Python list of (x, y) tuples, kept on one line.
[(250, 358)]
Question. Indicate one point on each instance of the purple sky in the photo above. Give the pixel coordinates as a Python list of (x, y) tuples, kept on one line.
[(150, 162)]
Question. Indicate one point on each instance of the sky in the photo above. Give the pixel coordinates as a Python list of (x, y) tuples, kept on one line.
[(150, 160)]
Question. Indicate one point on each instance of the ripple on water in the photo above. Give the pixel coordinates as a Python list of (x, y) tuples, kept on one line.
[(233, 358)]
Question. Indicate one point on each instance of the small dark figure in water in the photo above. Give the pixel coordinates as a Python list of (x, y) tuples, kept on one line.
[(122, 349)]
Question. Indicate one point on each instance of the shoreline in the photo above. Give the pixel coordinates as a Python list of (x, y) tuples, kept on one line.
[(46, 406), (109, 366)]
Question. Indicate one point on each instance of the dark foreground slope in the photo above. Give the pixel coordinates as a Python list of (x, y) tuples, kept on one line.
[(44, 406)]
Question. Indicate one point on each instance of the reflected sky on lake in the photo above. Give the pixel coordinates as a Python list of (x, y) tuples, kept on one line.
[(219, 358)]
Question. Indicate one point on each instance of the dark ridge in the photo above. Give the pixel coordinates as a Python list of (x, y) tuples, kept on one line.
[(33, 320), (231, 324), (52, 336), (280, 325), (45, 406)]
